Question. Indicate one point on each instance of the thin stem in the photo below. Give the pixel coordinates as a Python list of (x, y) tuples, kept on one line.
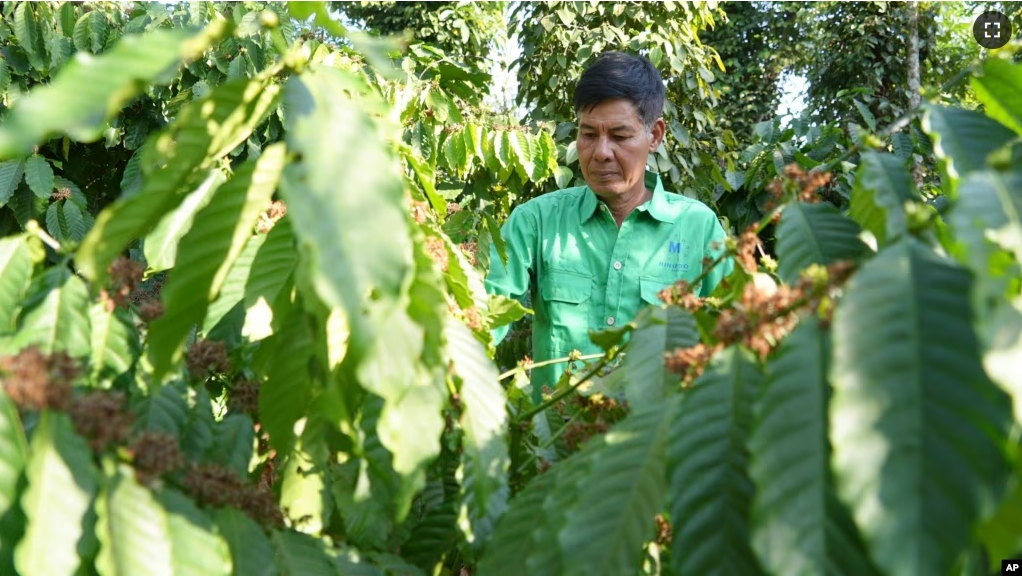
[(560, 395), (531, 365)]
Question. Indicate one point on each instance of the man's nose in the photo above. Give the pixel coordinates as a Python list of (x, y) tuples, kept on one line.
[(603, 151)]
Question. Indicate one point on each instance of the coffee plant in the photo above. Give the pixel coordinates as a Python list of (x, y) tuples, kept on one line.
[(243, 328)]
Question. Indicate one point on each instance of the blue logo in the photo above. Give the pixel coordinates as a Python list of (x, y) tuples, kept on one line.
[(674, 247)]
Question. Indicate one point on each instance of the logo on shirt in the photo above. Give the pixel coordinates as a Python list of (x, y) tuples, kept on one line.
[(674, 247)]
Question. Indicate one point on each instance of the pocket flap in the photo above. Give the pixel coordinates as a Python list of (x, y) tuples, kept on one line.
[(649, 288), (567, 286)]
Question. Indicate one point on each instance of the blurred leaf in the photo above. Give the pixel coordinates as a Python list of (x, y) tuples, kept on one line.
[(814, 234), (881, 187), (61, 484), (963, 138), (114, 344), (999, 89), (15, 278), (56, 315), (250, 548), (160, 245)]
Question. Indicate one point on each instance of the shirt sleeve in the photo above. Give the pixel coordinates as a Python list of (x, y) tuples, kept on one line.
[(713, 247), (520, 234)]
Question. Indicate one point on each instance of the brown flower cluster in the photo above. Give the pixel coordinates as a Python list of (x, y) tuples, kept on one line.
[(216, 486), (690, 363), (471, 250), (244, 397), (273, 214), (802, 185), (468, 316), (453, 207), (680, 294), (62, 193), (420, 211), (154, 454), (436, 249), (125, 275), (149, 292), (596, 414), (100, 417), (748, 244), (35, 381), (207, 357), (150, 310), (664, 533)]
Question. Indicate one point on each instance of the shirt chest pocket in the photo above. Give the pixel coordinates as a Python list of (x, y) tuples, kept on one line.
[(567, 297)]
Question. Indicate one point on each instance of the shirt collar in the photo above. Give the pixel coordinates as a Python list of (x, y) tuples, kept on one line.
[(657, 206)]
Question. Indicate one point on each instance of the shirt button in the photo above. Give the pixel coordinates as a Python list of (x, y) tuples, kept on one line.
[(610, 321), (617, 265)]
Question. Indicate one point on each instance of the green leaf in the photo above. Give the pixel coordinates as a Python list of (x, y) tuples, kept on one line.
[(57, 318), (284, 396), (30, 35), (160, 246), (871, 121), (166, 410), (89, 91), (613, 518), (659, 330), (814, 234), (563, 176), (72, 221), (13, 455), (902, 144), (251, 551), (11, 172), (456, 152), (504, 310), (298, 553), (999, 89), (881, 187), (53, 222), (144, 533), (91, 31), (233, 441), (115, 343), (61, 484), (803, 530), (304, 490), (39, 176), (710, 490), (207, 252), (989, 209), (483, 422), (1003, 351), (919, 424), (1002, 533), (512, 542), (15, 277), (233, 290), (963, 138), (333, 225)]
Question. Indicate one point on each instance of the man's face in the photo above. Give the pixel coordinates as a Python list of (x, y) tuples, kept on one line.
[(612, 148)]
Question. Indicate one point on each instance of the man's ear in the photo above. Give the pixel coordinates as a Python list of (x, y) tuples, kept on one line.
[(658, 130)]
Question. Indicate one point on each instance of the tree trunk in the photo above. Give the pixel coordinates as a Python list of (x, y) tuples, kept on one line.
[(913, 78)]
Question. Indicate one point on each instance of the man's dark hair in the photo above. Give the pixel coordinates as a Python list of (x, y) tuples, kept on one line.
[(616, 75)]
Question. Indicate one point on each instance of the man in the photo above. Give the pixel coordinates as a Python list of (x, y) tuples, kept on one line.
[(591, 256)]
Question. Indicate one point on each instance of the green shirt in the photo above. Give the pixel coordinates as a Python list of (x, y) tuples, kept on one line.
[(581, 272)]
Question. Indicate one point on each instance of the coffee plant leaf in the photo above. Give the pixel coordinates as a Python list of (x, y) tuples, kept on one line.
[(484, 421), (659, 330), (881, 187), (196, 437), (164, 411), (808, 530), (920, 422), (15, 277), (710, 493), (115, 344), (233, 290), (989, 209), (963, 139), (207, 251), (606, 535), (28, 31), (11, 172), (999, 89), (814, 234), (90, 90), (284, 396), (189, 148), (304, 489), (39, 176), (333, 225), (160, 245), (56, 315), (142, 532), (13, 451), (1003, 351), (233, 439), (298, 553), (91, 31), (272, 269), (250, 549), (512, 542), (62, 482), (1001, 534)]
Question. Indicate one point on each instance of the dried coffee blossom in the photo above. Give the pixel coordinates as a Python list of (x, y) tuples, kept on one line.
[(125, 275), (244, 397), (101, 418), (207, 357), (153, 454), (36, 381), (436, 249)]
